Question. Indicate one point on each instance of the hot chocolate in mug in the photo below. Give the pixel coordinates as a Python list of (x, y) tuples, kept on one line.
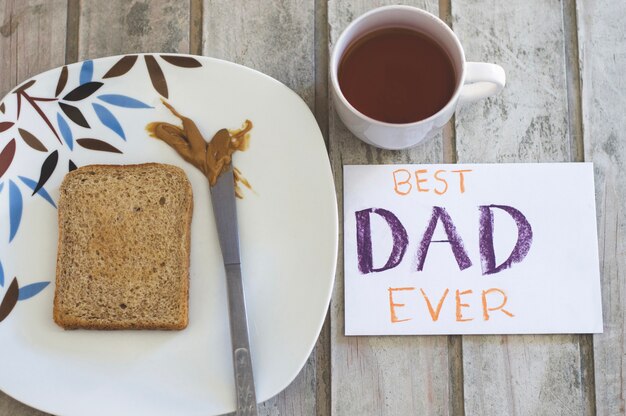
[(472, 80)]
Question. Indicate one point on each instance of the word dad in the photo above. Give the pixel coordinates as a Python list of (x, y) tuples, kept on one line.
[(439, 214)]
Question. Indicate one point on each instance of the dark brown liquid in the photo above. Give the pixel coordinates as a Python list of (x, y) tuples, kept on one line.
[(396, 75)]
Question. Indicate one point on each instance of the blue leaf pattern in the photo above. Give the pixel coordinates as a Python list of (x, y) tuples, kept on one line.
[(41, 192), (28, 291), (1, 275), (1, 186), (123, 101), (65, 131), (86, 72), (15, 208), (108, 119)]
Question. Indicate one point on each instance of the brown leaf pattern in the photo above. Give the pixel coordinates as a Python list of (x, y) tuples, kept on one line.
[(95, 144), (83, 91), (24, 86), (5, 125), (2, 108), (74, 114), (10, 299), (121, 67), (182, 61), (47, 169), (156, 75), (32, 141), (19, 104), (39, 111), (6, 157), (62, 81)]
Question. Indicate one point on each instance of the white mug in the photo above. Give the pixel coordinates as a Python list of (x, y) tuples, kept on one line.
[(475, 80)]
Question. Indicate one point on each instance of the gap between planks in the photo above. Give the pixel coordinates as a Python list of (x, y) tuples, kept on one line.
[(577, 154), (572, 73), (321, 60), (455, 342), (196, 11), (72, 31), (323, 373), (449, 130)]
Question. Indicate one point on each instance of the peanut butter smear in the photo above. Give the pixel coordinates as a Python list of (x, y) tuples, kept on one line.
[(212, 157)]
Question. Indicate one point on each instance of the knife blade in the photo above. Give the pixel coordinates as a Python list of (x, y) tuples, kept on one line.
[(225, 211)]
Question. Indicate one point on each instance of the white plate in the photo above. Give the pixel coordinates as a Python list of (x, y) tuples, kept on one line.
[(288, 230)]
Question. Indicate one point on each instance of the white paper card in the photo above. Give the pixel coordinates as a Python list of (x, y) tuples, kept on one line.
[(471, 249)]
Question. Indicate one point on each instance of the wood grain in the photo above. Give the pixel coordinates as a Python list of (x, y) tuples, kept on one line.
[(32, 40), (323, 382), (380, 375), (528, 122), (121, 26), (602, 53), (275, 37), (11, 407)]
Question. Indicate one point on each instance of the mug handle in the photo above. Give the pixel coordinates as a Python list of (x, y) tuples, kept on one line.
[(482, 80)]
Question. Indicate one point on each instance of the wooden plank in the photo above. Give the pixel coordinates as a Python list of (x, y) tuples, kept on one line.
[(380, 375), (321, 69), (32, 40), (528, 122), (195, 26), (275, 37), (123, 26), (11, 407), (574, 104), (323, 347), (603, 62)]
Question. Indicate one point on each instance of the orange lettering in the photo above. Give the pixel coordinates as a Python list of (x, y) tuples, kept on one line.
[(459, 305), (441, 180), (392, 305), (418, 180), (434, 314), (462, 178), (500, 307), (403, 182)]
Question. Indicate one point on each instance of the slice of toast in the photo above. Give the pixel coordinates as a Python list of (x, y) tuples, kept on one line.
[(123, 255)]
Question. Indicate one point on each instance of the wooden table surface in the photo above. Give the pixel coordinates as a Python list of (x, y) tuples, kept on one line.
[(564, 101)]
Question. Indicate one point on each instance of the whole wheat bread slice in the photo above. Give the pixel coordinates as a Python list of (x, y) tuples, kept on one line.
[(123, 256)]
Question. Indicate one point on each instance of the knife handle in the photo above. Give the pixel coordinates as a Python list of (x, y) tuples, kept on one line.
[(246, 398), (242, 363)]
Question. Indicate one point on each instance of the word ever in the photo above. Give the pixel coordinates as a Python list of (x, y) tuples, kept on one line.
[(402, 181), (487, 301), (439, 214)]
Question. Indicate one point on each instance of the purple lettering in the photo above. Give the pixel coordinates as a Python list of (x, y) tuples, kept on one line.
[(456, 243), (522, 246), (364, 240)]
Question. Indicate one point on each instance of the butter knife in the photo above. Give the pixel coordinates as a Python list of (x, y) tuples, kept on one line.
[(225, 211)]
